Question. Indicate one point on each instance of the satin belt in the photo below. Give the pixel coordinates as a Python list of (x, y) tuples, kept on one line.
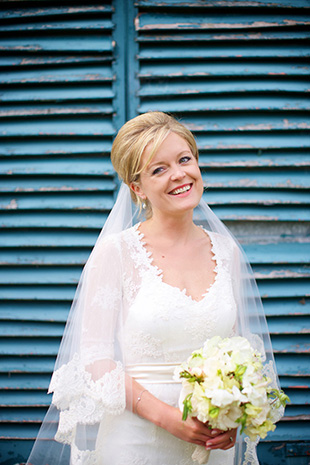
[(153, 373)]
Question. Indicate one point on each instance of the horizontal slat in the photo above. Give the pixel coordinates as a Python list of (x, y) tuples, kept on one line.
[(222, 68), (58, 127), (260, 196), (281, 271), (253, 37), (258, 213), (153, 21), (252, 4), (26, 111), (278, 252), (43, 147), (24, 381), (76, 43), (212, 86), (35, 275), (44, 256), (47, 238), (285, 288), (68, 75), (29, 431), (58, 311), (53, 201), (27, 364), (292, 364), (292, 325), (290, 307), (194, 50), (58, 94), (259, 141), (47, 12), (69, 25), (60, 184), (20, 60), (81, 219), (35, 311), (296, 344), (29, 347), (65, 166), (12, 414), (254, 158), (227, 103), (37, 329)]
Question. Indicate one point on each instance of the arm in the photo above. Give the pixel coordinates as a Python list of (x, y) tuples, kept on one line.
[(170, 418)]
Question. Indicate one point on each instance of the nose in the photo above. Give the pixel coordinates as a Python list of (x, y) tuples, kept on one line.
[(177, 172)]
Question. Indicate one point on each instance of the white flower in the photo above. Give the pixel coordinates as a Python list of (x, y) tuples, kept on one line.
[(219, 397)]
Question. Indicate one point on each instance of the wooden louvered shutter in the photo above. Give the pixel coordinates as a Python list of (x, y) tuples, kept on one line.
[(57, 122), (237, 74)]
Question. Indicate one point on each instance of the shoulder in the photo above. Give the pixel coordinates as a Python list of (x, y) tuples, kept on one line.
[(226, 242), (115, 243)]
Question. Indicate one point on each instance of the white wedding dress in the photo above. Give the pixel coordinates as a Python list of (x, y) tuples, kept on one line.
[(159, 327)]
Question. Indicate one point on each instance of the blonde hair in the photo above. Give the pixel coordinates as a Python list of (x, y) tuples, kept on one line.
[(132, 140)]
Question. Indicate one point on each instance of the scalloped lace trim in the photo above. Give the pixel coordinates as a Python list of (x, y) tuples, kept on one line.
[(84, 401)]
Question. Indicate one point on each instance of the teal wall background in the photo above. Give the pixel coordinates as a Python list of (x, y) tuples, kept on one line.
[(71, 73)]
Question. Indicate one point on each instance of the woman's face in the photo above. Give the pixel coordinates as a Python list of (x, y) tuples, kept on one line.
[(172, 180)]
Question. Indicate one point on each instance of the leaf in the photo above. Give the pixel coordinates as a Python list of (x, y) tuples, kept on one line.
[(187, 406)]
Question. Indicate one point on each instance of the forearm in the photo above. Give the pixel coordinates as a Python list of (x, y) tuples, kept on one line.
[(141, 402)]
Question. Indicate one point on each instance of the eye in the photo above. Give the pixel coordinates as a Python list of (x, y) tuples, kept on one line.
[(158, 170), (185, 159)]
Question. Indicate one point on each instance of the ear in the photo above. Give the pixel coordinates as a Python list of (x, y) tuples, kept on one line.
[(136, 188)]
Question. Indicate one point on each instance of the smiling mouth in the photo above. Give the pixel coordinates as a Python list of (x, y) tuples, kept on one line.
[(181, 190)]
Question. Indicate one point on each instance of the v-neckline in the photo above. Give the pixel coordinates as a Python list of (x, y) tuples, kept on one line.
[(160, 274)]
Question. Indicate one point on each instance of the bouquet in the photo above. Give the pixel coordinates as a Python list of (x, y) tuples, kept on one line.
[(223, 385)]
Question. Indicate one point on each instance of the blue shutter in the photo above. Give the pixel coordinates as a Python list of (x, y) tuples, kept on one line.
[(57, 186), (237, 74)]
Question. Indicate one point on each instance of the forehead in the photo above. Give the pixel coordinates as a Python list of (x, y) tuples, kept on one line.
[(171, 146)]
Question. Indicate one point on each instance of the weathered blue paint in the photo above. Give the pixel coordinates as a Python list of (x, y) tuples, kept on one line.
[(236, 72)]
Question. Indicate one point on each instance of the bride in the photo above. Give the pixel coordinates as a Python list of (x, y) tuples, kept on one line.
[(149, 295)]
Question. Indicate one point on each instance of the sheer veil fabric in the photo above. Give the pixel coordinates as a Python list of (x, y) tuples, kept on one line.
[(91, 382)]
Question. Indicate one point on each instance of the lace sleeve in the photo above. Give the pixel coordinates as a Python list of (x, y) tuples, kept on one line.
[(90, 385)]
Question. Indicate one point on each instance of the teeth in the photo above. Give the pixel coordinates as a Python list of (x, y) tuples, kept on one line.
[(181, 190)]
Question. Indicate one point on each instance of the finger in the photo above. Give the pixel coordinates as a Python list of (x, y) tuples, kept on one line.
[(232, 444), (222, 441)]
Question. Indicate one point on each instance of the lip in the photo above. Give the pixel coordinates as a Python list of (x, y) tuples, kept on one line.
[(181, 187)]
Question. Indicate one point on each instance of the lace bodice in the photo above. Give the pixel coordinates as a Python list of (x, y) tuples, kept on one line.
[(163, 323)]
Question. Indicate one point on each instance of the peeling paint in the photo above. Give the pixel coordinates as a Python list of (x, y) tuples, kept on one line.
[(201, 26), (11, 206)]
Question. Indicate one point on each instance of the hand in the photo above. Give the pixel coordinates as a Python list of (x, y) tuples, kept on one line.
[(191, 430), (225, 440)]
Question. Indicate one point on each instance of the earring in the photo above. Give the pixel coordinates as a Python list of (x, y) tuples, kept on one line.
[(143, 205)]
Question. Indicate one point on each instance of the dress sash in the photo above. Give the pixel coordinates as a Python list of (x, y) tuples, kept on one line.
[(153, 373)]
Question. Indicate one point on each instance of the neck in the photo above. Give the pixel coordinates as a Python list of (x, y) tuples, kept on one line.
[(178, 228)]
